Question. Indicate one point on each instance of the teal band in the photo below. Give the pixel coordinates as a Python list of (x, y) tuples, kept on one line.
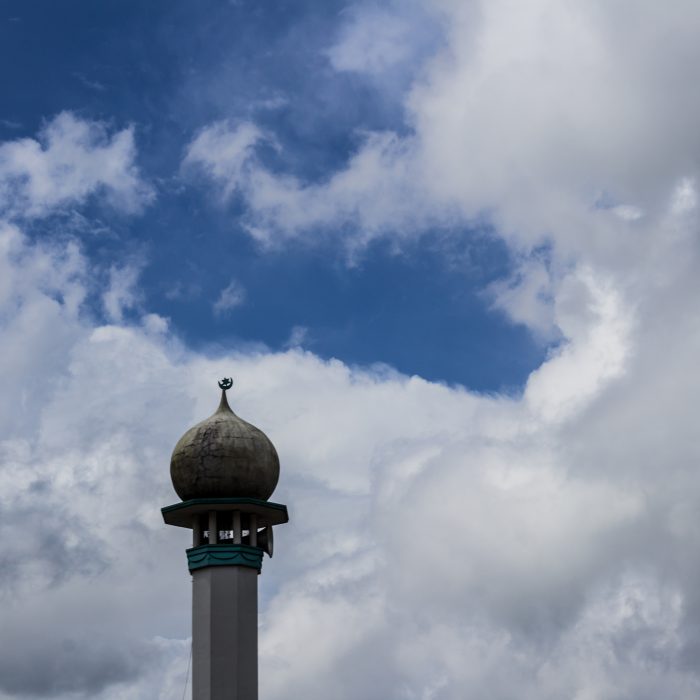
[(224, 555)]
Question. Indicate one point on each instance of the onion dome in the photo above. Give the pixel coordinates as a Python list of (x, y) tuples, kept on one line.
[(224, 457)]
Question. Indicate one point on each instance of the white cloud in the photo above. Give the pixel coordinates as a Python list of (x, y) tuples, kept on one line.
[(685, 197), (521, 117), (532, 546), (122, 292), (374, 188), (71, 160), (230, 297), (526, 297), (223, 152), (373, 40), (628, 213), (297, 337), (597, 326)]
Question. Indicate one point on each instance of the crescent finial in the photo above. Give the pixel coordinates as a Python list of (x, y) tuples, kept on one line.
[(226, 383)]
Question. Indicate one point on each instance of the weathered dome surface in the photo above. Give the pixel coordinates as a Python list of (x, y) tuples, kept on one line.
[(223, 457)]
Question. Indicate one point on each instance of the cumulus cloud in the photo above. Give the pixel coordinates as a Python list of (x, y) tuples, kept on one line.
[(223, 152), (298, 336), (376, 40), (526, 116), (374, 193), (442, 543), (526, 296), (231, 296), (121, 292), (534, 546), (70, 160)]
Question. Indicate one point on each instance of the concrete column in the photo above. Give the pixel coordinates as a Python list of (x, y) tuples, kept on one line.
[(253, 527), (196, 531), (225, 633), (213, 527), (237, 529)]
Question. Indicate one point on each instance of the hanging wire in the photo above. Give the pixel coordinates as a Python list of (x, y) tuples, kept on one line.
[(187, 676)]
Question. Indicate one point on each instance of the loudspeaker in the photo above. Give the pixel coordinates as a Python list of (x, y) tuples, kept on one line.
[(265, 540)]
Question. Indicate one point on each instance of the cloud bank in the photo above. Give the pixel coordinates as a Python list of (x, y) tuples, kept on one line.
[(442, 543)]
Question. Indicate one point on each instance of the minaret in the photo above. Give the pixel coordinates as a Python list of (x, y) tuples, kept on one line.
[(224, 470)]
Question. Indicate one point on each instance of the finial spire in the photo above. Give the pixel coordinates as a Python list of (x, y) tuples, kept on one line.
[(225, 384)]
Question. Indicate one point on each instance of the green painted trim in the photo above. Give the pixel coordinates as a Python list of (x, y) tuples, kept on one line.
[(223, 501), (224, 555)]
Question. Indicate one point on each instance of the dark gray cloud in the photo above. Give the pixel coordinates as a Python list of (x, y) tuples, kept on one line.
[(37, 667)]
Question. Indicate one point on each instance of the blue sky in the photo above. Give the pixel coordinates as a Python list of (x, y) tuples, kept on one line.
[(449, 252), (170, 69)]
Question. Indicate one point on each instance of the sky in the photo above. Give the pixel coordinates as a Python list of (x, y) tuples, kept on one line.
[(449, 251)]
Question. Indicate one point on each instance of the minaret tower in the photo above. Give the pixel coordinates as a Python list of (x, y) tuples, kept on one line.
[(224, 470)]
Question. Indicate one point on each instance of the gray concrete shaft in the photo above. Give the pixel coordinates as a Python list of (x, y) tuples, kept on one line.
[(225, 633)]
